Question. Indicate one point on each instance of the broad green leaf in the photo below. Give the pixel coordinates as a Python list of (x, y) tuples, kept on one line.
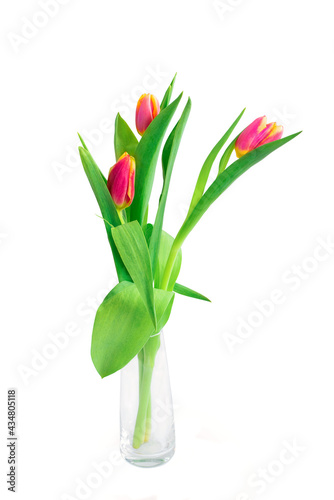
[(166, 151), (205, 171), (125, 140), (188, 292), (168, 160), (123, 326), (145, 217), (85, 147), (106, 204), (166, 244), (224, 180), (132, 247), (168, 94), (146, 156), (147, 230)]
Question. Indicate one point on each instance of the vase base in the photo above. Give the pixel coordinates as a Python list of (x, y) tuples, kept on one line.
[(149, 461)]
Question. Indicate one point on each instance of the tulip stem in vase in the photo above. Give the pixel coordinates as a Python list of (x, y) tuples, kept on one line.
[(147, 422), (142, 416), (146, 359)]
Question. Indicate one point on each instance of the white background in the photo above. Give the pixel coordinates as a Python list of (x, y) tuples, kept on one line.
[(235, 407)]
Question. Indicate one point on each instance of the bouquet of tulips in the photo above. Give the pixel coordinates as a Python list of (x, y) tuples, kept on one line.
[(147, 259)]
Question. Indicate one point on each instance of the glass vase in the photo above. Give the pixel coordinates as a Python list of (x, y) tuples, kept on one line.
[(147, 417)]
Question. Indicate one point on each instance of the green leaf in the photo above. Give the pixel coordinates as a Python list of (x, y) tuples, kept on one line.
[(123, 326), (188, 292), (168, 94), (146, 156), (168, 159), (166, 152), (147, 230), (224, 180), (124, 139), (166, 244), (145, 217), (131, 244), (205, 171), (106, 204), (227, 155), (85, 147), (82, 142)]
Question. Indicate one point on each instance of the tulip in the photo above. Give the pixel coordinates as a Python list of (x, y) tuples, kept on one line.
[(147, 109), (121, 181), (257, 134)]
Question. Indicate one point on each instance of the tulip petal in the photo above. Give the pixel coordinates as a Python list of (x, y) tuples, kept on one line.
[(147, 109), (118, 182), (155, 106), (144, 114), (246, 138), (121, 181), (275, 134), (140, 101), (261, 136), (131, 181)]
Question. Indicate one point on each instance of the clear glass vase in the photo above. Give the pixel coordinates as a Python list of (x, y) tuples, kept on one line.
[(147, 417)]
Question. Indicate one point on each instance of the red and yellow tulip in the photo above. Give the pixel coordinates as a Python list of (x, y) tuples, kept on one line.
[(121, 181), (256, 134), (148, 108)]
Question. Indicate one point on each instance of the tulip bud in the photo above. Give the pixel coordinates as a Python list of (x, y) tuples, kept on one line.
[(257, 134), (121, 181), (147, 109)]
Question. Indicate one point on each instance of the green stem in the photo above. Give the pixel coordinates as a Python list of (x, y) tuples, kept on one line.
[(171, 259), (121, 218), (184, 231), (144, 396), (146, 359), (140, 366), (148, 413), (148, 421)]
